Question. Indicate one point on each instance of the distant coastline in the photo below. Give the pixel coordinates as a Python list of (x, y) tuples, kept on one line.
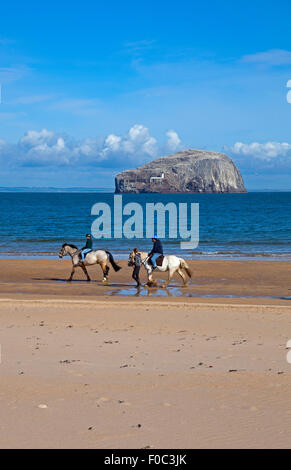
[(24, 189), (51, 189)]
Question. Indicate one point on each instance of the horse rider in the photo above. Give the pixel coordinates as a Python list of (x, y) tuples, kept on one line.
[(156, 251), (88, 247)]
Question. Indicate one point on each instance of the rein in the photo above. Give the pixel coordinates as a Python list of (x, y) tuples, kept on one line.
[(72, 253)]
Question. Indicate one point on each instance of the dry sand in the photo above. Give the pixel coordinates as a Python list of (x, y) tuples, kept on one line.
[(84, 365)]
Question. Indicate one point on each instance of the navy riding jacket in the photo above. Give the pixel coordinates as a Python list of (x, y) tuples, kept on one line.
[(157, 248)]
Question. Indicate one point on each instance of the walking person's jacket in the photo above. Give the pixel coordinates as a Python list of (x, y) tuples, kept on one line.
[(137, 260)]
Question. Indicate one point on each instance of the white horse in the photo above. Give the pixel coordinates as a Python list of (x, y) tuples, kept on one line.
[(93, 257), (170, 263)]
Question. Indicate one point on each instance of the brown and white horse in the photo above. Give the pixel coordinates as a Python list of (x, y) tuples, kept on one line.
[(171, 263), (93, 257)]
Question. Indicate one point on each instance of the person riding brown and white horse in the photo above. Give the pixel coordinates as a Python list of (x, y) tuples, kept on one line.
[(156, 251), (171, 264), (87, 248), (101, 257)]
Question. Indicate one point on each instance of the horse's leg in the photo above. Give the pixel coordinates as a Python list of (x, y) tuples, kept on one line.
[(105, 270), (154, 283), (72, 274), (151, 282), (180, 272), (171, 274), (85, 272), (150, 279)]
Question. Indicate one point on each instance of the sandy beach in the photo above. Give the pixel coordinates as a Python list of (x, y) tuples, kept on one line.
[(89, 365)]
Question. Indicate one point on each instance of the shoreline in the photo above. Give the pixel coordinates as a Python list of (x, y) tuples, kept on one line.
[(203, 256)]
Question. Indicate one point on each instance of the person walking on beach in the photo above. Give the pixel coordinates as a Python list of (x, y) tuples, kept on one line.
[(88, 247), (157, 251), (137, 265)]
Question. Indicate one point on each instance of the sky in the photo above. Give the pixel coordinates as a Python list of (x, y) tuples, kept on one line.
[(92, 88)]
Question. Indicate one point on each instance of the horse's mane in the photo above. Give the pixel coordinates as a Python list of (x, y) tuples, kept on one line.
[(71, 245)]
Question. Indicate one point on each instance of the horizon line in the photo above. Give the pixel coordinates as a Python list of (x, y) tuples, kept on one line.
[(106, 189)]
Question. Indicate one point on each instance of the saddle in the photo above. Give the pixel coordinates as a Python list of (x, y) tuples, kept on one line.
[(159, 260), (80, 254)]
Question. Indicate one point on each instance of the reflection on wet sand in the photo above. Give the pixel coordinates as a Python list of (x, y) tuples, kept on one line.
[(146, 291)]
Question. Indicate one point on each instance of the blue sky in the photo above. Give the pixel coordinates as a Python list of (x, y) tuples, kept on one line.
[(91, 88)]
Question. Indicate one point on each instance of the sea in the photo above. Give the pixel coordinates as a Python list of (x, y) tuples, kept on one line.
[(254, 225)]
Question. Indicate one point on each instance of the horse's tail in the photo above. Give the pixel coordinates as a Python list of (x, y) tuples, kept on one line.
[(113, 264), (185, 266)]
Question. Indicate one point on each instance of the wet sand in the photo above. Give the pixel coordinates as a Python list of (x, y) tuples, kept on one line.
[(232, 281), (89, 365)]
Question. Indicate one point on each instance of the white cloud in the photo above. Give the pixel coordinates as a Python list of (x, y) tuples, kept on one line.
[(112, 142), (271, 57), (136, 145), (141, 139), (88, 148), (272, 158), (35, 138), (266, 151), (44, 147), (49, 148), (173, 141)]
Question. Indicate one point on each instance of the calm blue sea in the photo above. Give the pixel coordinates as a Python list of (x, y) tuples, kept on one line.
[(231, 225)]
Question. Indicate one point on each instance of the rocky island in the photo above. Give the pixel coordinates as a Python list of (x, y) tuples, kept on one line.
[(188, 171)]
